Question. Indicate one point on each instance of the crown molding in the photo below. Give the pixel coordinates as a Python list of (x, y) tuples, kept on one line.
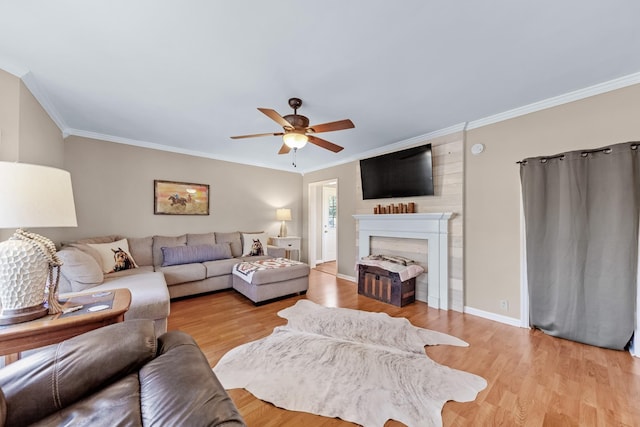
[(152, 145), (566, 98)]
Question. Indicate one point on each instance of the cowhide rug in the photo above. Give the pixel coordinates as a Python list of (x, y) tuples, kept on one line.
[(359, 366)]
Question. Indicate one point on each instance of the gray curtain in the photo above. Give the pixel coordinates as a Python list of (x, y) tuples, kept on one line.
[(581, 219)]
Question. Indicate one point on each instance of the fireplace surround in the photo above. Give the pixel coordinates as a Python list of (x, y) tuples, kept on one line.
[(432, 227)]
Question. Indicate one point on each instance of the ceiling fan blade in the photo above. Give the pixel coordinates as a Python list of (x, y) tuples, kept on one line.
[(273, 115), (324, 144), (284, 149), (328, 127), (257, 135)]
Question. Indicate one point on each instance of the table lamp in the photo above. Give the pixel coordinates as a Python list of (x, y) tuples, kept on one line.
[(32, 196), (283, 215)]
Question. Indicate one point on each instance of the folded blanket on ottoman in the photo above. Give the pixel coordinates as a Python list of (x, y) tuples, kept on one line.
[(248, 268)]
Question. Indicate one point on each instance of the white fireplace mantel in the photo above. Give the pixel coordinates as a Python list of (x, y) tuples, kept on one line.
[(432, 227)]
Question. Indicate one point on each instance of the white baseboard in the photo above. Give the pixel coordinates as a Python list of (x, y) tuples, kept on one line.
[(492, 316), (345, 277)]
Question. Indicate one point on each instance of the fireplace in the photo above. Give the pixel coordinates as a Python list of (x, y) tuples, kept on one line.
[(432, 227)]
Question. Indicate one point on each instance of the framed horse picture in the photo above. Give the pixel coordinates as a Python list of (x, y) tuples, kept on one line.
[(180, 198)]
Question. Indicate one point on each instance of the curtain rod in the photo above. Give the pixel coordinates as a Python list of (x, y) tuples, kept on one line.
[(585, 153)]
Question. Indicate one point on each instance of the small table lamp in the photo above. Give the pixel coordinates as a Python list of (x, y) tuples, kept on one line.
[(283, 215), (32, 196)]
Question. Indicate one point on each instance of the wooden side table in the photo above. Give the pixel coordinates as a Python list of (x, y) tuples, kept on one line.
[(290, 243), (52, 329)]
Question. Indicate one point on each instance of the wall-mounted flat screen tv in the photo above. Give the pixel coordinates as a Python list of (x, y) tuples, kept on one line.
[(405, 173)]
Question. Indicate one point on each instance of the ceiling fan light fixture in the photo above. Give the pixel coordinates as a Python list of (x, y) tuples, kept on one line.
[(295, 139)]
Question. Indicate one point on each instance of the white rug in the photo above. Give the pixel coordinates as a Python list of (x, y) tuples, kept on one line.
[(359, 366)]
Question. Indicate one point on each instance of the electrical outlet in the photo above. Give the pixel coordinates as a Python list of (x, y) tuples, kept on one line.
[(504, 305)]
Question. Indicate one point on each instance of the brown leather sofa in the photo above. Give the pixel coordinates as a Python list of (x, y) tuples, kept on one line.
[(118, 375)]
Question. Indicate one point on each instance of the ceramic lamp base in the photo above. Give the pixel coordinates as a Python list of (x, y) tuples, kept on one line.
[(19, 315), (283, 229), (23, 277)]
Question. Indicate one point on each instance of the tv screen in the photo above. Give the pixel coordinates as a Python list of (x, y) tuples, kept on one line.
[(405, 173)]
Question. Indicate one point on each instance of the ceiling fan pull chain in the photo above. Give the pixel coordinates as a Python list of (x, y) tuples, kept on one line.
[(295, 150)]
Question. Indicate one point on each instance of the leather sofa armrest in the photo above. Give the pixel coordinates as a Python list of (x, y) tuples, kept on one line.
[(61, 374), (179, 387), (3, 409)]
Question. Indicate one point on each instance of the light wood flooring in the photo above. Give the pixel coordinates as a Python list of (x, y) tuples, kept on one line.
[(328, 267), (533, 379)]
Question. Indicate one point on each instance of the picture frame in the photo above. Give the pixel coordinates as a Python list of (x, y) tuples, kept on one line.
[(180, 198)]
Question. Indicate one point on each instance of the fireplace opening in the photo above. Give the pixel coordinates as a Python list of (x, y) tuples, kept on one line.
[(414, 249)]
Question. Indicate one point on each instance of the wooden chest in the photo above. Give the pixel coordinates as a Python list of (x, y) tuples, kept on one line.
[(385, 286)]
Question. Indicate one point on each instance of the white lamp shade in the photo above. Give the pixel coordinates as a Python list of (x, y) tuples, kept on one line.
[(35, 196), (283, 214)]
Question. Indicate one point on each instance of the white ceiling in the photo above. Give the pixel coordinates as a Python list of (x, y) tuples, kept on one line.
[(186, 75)]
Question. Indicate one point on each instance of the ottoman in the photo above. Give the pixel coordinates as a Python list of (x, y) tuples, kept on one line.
[(268, 279)]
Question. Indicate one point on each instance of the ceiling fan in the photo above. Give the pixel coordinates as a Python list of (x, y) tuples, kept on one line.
[(297, 131)]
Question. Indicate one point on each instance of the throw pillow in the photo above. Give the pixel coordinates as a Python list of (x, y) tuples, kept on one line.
[(255, 244), (233, 238), (201, 239), (177, 255), (115, 255), (160, 242), (89, 251), (79, 268)]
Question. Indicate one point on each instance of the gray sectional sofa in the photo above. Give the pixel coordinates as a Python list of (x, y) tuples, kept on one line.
[(165, 267)]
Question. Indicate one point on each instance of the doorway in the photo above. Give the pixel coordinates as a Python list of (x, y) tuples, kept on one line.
[(323, 225)]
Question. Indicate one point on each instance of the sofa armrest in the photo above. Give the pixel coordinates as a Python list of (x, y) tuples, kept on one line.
[(59, 375), (179, 387)]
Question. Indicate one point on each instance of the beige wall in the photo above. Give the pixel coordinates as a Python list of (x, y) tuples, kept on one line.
[(27, 133), (492, 184), (9, 116), (346, 230), (41, 141), (113, 189)]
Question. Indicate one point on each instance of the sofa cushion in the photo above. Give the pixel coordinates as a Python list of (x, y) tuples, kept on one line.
[(142, 250), (249, 242), (160, 242), (233, 238), (115, 255), (133, 271), (80, 269), (175, 274), (220, 267), (148, 291), (201, 239), (197, 253), (92, 411), (182, 366)]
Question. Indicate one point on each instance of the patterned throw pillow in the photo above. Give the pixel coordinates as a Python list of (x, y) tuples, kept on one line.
[(254, 244), (115, 256)]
